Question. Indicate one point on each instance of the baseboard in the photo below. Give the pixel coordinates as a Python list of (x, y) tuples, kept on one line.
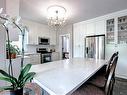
[(121, 79), (121, 76)]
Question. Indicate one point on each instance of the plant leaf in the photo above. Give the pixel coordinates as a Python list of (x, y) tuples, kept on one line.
[(7, 79), (27, 78), (24, 71), (8, 76), (6, 88), (4, 73)]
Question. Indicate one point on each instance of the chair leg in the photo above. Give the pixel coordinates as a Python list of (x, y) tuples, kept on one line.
[(111, 92)]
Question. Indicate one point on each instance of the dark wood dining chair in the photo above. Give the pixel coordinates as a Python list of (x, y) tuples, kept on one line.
[(100, 78), (89, 89)]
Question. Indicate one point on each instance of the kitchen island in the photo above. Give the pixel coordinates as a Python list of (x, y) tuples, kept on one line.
[(65, 76)]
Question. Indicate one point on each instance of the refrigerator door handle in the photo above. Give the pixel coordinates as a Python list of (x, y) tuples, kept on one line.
[(87, 49)]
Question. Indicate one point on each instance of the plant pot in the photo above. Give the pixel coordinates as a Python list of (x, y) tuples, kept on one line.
[(13, 55), (17, 92)]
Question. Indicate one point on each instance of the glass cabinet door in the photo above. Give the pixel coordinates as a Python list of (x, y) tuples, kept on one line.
[(110, 27), (122, 30)]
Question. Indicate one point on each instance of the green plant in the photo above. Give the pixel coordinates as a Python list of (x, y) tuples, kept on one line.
[(13, 48), (17, 83)]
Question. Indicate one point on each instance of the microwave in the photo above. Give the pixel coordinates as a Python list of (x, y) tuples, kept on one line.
[(43, 41)]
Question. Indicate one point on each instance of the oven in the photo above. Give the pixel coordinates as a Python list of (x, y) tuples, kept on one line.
[(45, 56)]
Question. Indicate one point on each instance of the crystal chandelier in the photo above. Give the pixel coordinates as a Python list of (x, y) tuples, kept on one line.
[(56, 16)]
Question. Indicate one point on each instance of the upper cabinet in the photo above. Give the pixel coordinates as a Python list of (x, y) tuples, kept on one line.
[(78, 39), (39, 30), (52, 36), (95, 27), (79, 34), (90, 28), (82, 29), (110, 29), (116, 30), (122, 29), (100, 27)]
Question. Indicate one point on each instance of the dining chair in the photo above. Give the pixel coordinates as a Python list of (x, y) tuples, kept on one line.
[(89, 89), (100, 78)]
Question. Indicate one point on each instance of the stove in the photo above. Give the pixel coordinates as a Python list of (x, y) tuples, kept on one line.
[(45, 55), (42, 50)]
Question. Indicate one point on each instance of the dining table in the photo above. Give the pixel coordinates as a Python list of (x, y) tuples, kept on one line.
[(63, 77)]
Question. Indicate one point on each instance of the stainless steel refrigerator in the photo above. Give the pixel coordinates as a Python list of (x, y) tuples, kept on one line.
[(95, 46)]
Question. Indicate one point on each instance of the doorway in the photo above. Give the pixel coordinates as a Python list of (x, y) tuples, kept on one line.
[(65, 46)]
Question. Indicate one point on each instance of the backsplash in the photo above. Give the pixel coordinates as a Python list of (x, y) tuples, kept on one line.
[(32, 48)]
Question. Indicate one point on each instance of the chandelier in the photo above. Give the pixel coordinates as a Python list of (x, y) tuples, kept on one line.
[(56, 16)]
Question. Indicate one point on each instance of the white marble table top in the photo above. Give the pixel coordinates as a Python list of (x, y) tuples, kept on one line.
[(65, 76)]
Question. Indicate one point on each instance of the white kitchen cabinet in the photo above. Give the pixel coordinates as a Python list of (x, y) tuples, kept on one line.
[(100, 27), (33, 32), (55, 56), (110, 25), (78, 51), (90, 28), (52, 36), (35, 59), (39, 30), (78, 36)]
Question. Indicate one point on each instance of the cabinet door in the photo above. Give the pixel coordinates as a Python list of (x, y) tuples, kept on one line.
[(78, 51), (111, 31), (76, 34), (52, 37), (100, 27), (90, 28), (55, 56), (35, 59), (32, 34), (78, 40)]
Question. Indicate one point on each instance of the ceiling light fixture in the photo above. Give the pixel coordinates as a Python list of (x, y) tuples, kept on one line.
[(56, 16)]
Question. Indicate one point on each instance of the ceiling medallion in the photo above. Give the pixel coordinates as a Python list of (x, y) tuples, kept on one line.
[(56, 16)]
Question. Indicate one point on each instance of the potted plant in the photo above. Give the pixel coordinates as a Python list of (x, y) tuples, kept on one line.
[(15, 84), (14, 50)]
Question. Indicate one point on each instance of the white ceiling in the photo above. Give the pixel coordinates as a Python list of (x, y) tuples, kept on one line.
[(77, 10)]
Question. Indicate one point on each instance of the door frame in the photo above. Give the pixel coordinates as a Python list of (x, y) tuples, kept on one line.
[(60, 44)]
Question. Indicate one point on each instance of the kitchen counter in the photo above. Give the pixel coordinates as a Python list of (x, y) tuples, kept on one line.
[(65, 76)]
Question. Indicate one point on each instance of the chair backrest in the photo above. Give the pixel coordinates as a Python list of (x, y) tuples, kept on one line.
[(112, 57), (110, 64), (109, 82)]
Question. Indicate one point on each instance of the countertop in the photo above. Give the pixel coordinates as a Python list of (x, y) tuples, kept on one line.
[(65, 76)]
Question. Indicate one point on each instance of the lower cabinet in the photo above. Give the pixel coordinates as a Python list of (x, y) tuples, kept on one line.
[(29, 59), (35, 59), (78, 51), (55, 56)]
